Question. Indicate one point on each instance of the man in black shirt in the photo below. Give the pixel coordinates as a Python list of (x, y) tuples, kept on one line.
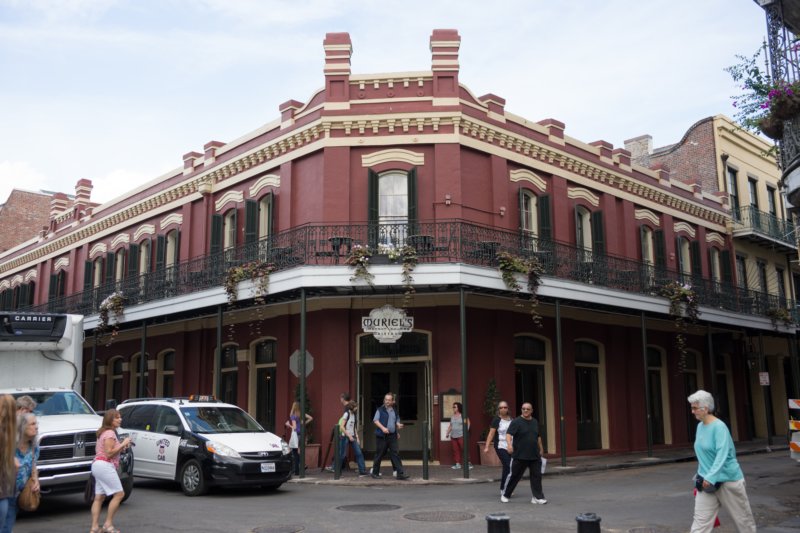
[(525, 447)]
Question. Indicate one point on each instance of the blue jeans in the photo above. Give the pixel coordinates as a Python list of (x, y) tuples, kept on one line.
[(8, 514), (342, 452), (362, 468)]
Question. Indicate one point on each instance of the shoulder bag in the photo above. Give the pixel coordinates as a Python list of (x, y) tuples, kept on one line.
[(28, 499)]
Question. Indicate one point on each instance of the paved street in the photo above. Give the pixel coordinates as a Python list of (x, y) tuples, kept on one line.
[(641, 500)]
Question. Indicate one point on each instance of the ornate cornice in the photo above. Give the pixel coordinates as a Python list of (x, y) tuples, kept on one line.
[(122, 238), (584, 194), (270, 180), (172, 218), (713, 236), (99, 248), (683, 226), (63, 262), (31, 274), (144, 229), (391, 155), (230, 196)]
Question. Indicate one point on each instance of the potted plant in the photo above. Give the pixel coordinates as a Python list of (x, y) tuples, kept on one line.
[(509, 266), (490, 401), (683, 307), (110, 312), (780, 314), (358, 260)]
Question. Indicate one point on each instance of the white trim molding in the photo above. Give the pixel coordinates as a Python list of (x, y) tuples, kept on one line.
[(31, 274), (230, 196), (394, 154), (172, 218), (144, 229), (5, 284), (529, 176), (97, 249), (646, 214), (61, 262), (684, 226), (17, 280), (584, 194), (713, 236), (122, 238), (270, 180)]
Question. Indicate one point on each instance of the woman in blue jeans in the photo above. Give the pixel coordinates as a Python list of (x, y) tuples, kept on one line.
[(8, 460), (347, 426), (27, 453)]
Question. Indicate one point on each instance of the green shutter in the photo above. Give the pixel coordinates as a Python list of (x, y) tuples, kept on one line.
[(372, 208), (88, 270), (216, 234), (642, 237), (250, 221), (271, 213), (133, 260), (110, 264), (697, 264), (725, 266), (521, 202), (235, 224), (598, 235), (659, 249), (412, 199), (161, 252), (177, 246), (51, 292), (545, 221)]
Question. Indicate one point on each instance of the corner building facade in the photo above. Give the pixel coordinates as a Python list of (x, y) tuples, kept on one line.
[(410, 163)]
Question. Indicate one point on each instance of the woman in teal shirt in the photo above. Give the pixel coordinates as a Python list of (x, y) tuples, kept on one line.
[(723, 480)]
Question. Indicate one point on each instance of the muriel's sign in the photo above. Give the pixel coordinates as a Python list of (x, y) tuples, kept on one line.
[(387, 323)]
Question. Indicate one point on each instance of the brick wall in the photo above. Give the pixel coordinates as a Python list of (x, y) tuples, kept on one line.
[(693, 157), (22, 217)]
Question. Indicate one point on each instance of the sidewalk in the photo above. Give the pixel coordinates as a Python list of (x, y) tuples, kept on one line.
[(445, 475)]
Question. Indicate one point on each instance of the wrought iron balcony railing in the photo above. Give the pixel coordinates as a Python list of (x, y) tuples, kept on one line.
[(751, 220), (451, 241)]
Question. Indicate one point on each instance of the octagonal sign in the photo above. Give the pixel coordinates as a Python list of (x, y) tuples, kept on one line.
[(294, 363)]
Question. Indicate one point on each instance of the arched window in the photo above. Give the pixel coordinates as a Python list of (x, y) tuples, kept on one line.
[(229, 229), (528, 217), (145, 256), (119, 265), (97, 272), (684, 256), (165, 386), (173, 243), (265, 217), (391, 206), (114, 386), (648, 249)]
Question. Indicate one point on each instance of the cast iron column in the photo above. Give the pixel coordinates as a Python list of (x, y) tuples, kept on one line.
[(463, 326), (560, 365), (648, 417)]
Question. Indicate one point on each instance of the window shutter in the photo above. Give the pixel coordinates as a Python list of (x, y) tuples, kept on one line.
[(51, 292), (545, 224), (697, 264), (23, 295), (216, 234), (110, 264), (598, 235), (250, 221), (271, 214), (642, 238), (161, 252), (372, 208), (725, 266), (133, 260), (659, 249), (88, 270), (235, 224), (177, 246), (521, 201), (412, 197)]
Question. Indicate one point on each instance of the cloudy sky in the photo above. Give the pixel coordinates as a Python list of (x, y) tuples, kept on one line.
[(117, 91)]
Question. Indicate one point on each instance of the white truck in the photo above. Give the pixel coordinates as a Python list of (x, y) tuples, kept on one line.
[(41, 356)]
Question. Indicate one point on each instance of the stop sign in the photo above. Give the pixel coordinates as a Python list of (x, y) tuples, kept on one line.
[(294, 363)]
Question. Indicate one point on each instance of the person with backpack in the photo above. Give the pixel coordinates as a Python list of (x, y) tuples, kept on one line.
[(348, 428)]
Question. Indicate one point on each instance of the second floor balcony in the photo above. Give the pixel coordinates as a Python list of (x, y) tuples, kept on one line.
[(434, 243), (764, 228)]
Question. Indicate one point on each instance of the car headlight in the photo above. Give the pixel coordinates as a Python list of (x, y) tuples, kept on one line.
[(285, 447), (221, 449)]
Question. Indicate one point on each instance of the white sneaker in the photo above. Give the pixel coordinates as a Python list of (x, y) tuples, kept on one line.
[(503, 499), (456, 466), (538, 501)]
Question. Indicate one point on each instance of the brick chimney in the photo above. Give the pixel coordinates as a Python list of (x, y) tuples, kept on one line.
[(190, 161), (444, 62), (210, 150), (58, 204), (640, 148), (83, 195), (338, 50)]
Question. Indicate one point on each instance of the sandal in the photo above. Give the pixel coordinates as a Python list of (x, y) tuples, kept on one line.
[(110, 529)]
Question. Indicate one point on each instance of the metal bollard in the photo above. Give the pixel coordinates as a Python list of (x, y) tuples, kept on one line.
[(497, 523), (337, 451), (588, 523)]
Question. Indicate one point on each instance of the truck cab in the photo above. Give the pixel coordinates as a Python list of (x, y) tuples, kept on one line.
[(41, 357)]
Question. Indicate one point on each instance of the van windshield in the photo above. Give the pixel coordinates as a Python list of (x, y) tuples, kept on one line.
[(58, 403), (220, 420)]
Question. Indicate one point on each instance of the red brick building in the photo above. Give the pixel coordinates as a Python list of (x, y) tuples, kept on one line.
[(442, 187)]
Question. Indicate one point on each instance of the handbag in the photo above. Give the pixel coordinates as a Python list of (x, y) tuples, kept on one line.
[(88, 492), (294, 441), (28, 499)]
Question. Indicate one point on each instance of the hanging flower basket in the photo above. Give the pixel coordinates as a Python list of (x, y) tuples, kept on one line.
[(258, 271), (780, 314), (408, 256), (784, 101), (683, 307), (110, 312), (359, 260), (511, 265), (771, 126)]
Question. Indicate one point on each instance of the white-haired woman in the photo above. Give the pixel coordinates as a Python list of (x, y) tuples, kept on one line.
[(722, 478)]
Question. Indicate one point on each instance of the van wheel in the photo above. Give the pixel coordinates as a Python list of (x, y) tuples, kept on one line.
[(192, 482)]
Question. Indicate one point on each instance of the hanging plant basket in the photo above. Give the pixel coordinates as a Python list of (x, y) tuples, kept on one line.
[(785, 106), (780, 314), (771, 126), (683, 308), (110, 312), (258, 271), (359, 260), (510, 265)]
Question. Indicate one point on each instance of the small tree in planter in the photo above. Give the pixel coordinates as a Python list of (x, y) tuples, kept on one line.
[(490, 401), (312, 449)]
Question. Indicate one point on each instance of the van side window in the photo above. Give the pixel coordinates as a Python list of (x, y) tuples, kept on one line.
[(166, 416), (139, 417)]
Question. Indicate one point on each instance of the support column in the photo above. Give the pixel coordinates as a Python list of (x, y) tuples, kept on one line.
[(794, 364), (142, 361), (560, 368), (647, 406), (218, 355), (464, 416), (303, 381), (765, 390)]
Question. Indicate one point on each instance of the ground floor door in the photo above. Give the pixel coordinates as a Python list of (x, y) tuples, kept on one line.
[(410, 383), (587, 390), (265, 397), (530, 387), (656, 405)]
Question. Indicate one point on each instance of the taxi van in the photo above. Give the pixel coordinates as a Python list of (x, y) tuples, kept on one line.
[(200, 442)]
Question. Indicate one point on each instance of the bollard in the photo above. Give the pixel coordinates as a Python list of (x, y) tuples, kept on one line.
[(337, 451), (497, 523), (425, 450), (588, 523)]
